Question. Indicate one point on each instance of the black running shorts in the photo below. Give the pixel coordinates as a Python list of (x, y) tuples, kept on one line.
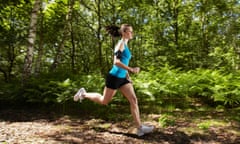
[(114, 82)]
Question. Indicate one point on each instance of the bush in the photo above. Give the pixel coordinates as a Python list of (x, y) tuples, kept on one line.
[(50, 89), (164, 86), (172, 85)]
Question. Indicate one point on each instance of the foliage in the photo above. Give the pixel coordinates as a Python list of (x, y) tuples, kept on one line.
[(165, 86), (176, 87), (50, 89), (204, 125), (166, 120), (186, 49)]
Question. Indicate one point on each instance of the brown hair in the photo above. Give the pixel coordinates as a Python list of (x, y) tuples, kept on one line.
[(116, 31)]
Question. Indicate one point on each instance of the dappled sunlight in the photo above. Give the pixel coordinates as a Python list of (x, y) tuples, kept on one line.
[(179, 126)]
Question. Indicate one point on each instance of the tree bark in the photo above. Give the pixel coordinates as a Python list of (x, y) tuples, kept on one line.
[(40, 49), (175, 25), (57, 59), (31, 40)]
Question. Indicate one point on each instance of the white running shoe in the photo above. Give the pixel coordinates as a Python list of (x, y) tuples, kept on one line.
[(79, 95), (144, 130)]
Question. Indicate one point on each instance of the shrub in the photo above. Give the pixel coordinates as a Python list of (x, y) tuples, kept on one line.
[(172, 85)]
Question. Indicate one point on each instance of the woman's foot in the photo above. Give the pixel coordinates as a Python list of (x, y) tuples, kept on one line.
[(144, 130), (79, 95)]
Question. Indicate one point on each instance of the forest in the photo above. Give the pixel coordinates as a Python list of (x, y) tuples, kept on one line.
[(185, 49), (188, 52)]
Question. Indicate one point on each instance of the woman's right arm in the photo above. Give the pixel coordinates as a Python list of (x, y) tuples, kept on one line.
[(117, 57), (118, 62)]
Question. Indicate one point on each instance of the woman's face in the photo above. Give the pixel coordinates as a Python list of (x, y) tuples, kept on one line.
[(128, 34)]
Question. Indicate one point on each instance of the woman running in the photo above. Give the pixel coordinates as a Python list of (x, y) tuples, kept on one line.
[(118, 78)]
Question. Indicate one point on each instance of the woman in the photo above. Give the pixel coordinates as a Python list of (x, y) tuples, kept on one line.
[(118, 78)]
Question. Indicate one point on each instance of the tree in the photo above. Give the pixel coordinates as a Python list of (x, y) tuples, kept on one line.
[(66, 29), (31, 41), (40, 47)]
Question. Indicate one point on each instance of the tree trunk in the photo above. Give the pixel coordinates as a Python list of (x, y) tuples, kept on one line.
[(11, 50), (57, 59), (175, 25), (98, 2), (204, 31), (40, 49), (31, 39), (73, 50)]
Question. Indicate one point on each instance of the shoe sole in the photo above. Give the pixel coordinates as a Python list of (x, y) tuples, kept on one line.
[(77, 96)]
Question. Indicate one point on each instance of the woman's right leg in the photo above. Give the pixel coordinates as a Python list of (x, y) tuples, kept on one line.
[(101, 99)]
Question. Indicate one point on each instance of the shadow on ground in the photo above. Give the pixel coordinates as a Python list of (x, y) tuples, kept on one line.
[(157, 137), (86, 128)]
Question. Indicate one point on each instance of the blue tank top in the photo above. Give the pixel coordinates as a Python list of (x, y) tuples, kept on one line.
[(126, 56)]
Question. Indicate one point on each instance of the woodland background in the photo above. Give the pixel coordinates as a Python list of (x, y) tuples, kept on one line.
[(188, 50)]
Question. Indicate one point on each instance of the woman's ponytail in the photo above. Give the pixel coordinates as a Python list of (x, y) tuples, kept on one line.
[(113, 30)]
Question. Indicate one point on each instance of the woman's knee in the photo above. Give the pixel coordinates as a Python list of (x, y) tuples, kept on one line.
[(133, 100), (105, 102), (107, 95)]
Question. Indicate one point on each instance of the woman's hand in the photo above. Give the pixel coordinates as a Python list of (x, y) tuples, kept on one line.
[(135, 70)]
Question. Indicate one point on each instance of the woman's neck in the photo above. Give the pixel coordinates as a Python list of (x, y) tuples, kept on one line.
[(125, 40)]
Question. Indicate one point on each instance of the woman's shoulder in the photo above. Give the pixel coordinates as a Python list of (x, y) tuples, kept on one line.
[(120, 45)]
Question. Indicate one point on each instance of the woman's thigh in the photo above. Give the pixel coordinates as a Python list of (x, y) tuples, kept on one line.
[(108, 94), (128, 91)]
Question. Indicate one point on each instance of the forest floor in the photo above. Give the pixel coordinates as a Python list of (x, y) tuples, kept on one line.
[(32, 126)]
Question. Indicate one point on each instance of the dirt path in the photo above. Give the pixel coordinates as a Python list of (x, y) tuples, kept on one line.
[(32, 127)]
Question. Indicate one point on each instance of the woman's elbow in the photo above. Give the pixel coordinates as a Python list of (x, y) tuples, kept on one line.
[(117, 62)]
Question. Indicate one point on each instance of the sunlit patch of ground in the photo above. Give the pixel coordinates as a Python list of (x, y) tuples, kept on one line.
[(175, 127)]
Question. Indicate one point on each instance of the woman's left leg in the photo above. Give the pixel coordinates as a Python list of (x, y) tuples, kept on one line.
[(128, 91)]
